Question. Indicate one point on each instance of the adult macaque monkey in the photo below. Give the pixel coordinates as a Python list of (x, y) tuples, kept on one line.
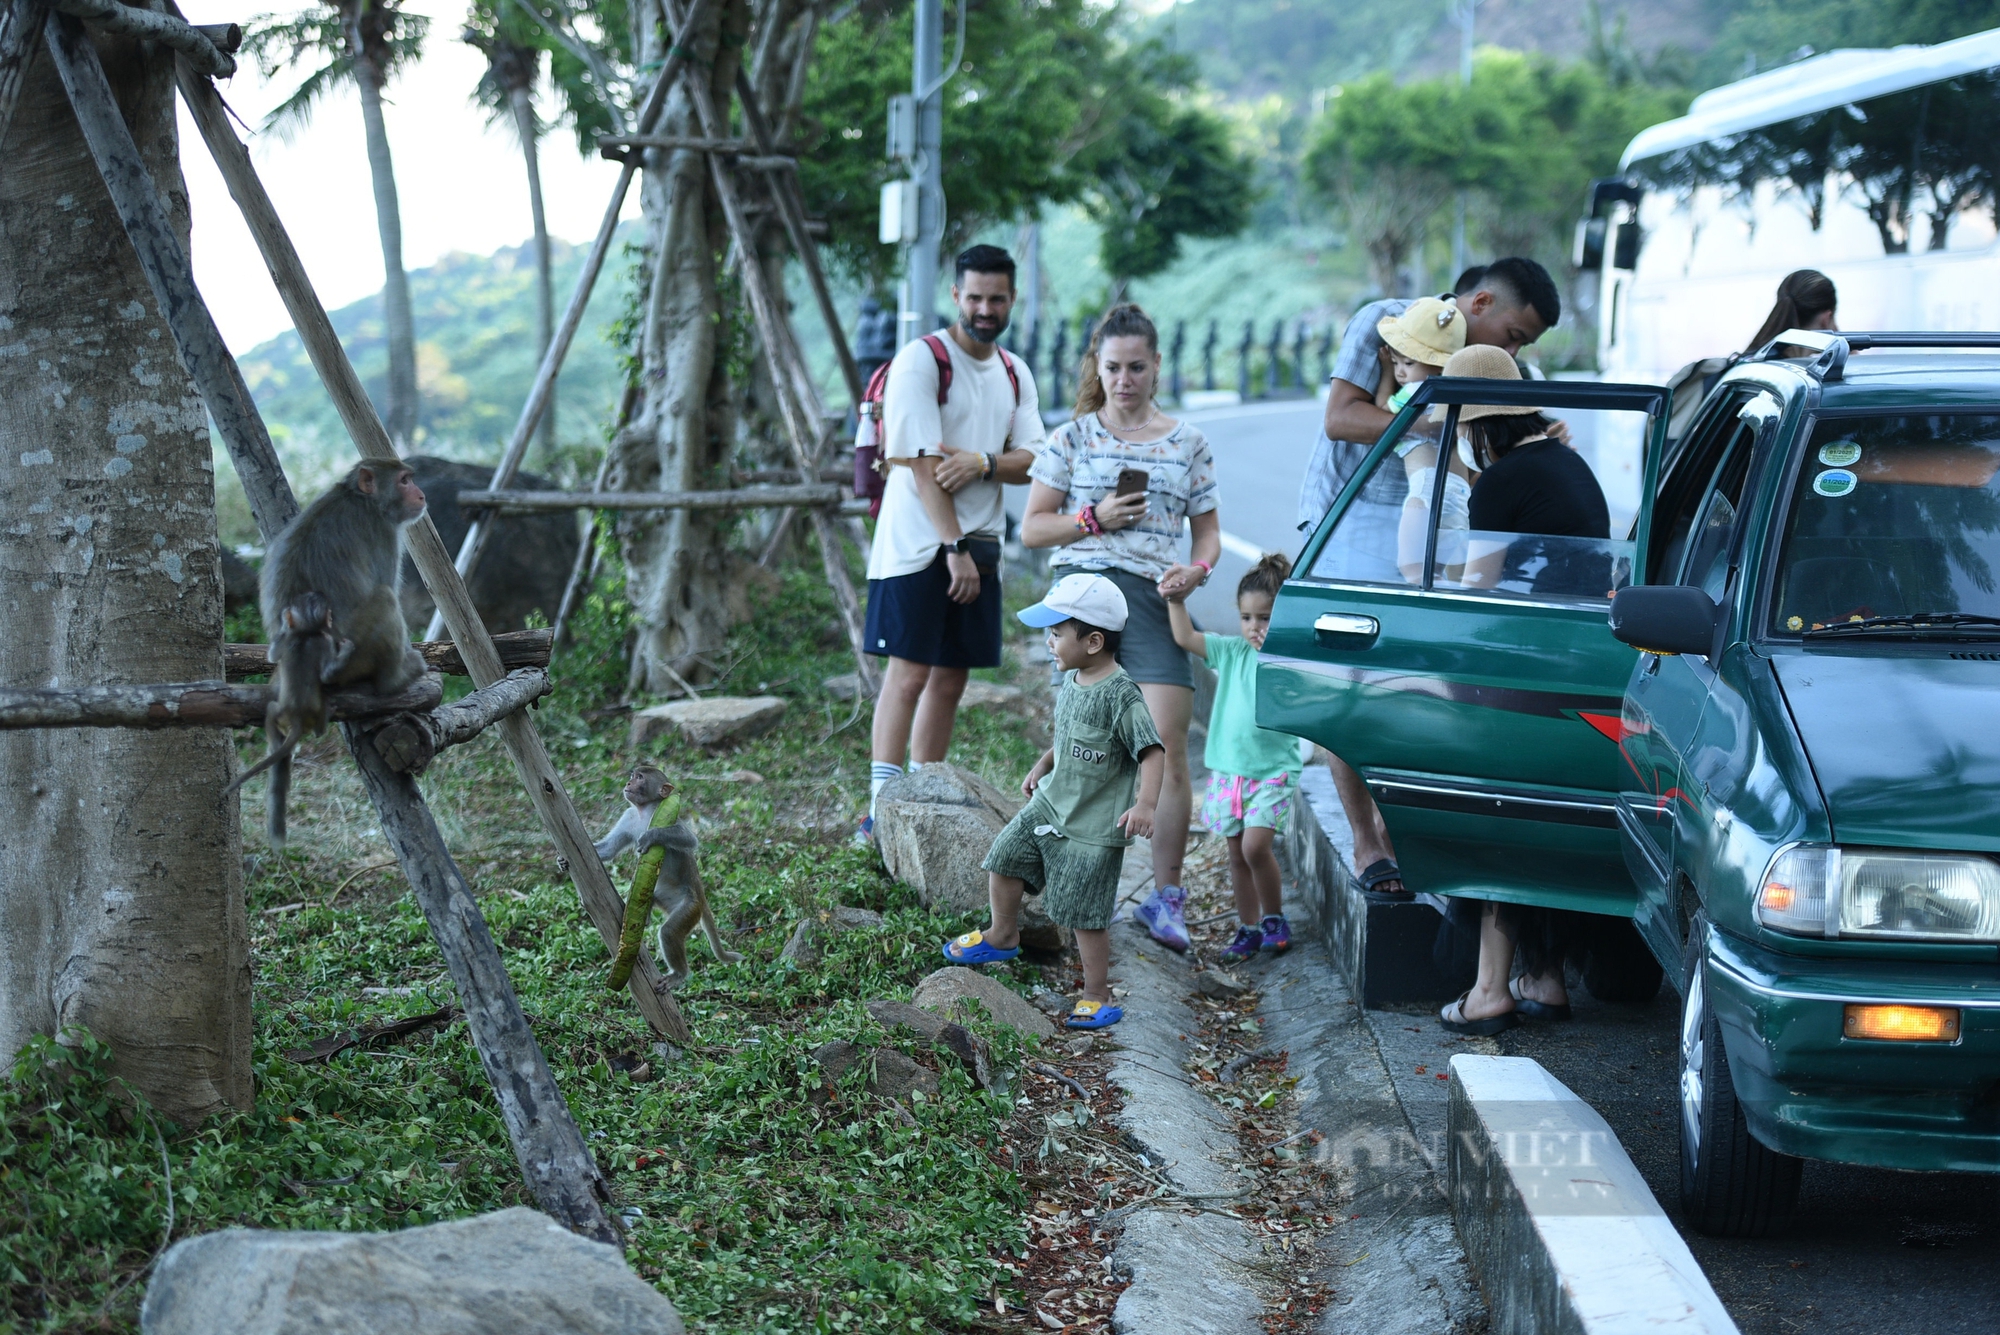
[(680, 897), (347, 547), (343, 554), (304, 651)]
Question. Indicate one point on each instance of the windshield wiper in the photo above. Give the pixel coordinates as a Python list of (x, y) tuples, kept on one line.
[(1915, 624)]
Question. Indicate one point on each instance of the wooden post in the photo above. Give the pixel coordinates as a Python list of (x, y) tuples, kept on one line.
[(792, 208), (738, 498), (518, 649), (20, 37), (478, 533), (576, 854), (557, 1164), (553, 1158), (410, 741), (193, 704)]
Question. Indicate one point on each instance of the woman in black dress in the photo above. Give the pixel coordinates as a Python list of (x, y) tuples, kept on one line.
[(1534, 492)]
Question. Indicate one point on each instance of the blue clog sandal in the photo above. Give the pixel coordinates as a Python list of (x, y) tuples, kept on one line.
[(1087, 1014), (972, 949)]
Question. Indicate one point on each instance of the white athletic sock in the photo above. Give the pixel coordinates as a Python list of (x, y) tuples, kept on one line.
[(916, 765), (879, 773)]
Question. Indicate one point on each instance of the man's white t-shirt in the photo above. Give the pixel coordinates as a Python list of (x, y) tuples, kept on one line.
[(979, 415)]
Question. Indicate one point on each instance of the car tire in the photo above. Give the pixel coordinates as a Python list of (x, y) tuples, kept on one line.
[(1732, 1185), (1620, 966)]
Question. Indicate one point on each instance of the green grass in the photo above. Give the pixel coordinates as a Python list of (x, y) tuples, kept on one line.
[(762, 1209)]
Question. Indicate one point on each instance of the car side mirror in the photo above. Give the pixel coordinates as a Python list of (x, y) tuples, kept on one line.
[(1665, 619)]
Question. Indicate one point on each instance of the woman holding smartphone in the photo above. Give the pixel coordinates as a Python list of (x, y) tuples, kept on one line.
[(1114, 488)]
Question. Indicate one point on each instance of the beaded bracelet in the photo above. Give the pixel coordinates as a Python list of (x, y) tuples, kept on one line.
[(1086, 519)]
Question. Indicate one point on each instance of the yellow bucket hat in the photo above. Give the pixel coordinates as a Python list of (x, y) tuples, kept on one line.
[(1428, 332)]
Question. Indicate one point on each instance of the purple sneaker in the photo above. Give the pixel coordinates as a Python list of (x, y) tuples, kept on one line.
[(1163, 917), (1277, 933), (1246, 945)]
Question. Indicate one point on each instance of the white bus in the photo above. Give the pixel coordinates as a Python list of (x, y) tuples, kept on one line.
[(1879, 168)]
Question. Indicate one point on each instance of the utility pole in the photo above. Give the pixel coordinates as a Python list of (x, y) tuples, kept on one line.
[(918, 315), (1461, 256)]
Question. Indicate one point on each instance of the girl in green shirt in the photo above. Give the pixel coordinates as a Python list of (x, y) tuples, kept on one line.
[(1253, 772)]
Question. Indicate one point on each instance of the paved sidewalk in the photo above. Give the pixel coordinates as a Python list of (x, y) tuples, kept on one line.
[(1396, 1267)]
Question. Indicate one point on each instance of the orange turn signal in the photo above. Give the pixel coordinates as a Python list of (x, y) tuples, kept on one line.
[(1909, 1024)]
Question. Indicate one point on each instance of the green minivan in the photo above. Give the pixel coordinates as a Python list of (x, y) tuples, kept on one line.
[(1792, 789)]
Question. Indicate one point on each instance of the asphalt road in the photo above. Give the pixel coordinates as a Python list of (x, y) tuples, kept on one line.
[(1260, 453)]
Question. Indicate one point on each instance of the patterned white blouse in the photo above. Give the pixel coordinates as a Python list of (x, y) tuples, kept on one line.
[(1082, 459)]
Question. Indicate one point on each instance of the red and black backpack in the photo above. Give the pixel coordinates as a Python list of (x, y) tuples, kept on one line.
[(871, 470)]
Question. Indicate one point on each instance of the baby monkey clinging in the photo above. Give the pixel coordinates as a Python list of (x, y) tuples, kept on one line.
[(342, 558)]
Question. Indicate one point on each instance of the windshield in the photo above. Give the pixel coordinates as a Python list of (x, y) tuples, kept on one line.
[(1891, 517)]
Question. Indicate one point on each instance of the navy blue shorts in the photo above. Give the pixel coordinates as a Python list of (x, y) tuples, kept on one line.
[(913, 617)]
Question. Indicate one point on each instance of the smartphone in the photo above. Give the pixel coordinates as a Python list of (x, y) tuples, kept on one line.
[(1131, 482)]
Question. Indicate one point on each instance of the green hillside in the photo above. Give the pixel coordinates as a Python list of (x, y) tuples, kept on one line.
[(476, 357)]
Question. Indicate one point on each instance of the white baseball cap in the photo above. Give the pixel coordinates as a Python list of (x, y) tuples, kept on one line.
[(1091, 599)]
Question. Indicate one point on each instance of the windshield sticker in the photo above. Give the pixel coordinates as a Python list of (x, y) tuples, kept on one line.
[(1839, 453), (1834, 482), (1795, 623)]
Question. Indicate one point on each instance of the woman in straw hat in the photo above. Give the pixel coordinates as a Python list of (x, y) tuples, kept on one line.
[(1528, 485)]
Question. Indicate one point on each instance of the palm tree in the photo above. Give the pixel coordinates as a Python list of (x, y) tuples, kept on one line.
[(513, 66), (365, 42)]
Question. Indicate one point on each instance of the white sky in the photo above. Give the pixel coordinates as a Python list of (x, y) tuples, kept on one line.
[(461, 181)]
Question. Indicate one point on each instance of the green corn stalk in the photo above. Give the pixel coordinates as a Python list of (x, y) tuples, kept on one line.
[(639, 903)]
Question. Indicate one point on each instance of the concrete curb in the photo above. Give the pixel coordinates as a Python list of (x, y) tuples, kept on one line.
[(1556, 1220)]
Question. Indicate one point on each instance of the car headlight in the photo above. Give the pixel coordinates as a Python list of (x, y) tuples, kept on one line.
[(1823, 890)]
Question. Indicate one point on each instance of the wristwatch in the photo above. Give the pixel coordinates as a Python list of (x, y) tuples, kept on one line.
[(962, 546)]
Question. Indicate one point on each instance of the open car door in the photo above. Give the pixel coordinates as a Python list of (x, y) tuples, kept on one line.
[(1470, 676)]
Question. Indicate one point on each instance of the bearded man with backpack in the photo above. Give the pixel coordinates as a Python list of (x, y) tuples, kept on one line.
[(959, 418)]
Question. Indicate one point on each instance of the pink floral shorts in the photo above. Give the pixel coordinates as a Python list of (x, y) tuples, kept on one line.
[(1234, 802)]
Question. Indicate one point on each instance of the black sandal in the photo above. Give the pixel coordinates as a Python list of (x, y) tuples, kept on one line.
[(1537, 1010), (1380, 872), (1486, 1028)]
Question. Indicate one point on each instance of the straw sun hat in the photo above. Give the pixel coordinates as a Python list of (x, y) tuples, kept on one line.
[(1483, 361), (1428, 332)]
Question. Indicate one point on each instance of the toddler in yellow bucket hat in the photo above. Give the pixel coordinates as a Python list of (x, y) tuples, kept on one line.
[(1417, 343)]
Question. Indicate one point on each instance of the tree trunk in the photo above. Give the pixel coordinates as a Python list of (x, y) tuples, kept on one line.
[(679, 563), (523, 104), (121, 904), (397, 321)]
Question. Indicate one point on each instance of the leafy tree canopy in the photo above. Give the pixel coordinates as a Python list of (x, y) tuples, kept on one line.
[(1525, 139), (1049, 105)]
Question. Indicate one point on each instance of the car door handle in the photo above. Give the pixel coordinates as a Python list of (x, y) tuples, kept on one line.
[(1345, 629)]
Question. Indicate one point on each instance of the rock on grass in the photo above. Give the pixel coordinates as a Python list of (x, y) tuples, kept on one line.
[(513, 1270)]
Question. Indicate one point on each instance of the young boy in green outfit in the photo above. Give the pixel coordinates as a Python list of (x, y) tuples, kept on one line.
[(1082, 810)]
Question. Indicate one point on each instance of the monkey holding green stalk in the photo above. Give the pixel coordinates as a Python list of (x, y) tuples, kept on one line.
[(667, 850)]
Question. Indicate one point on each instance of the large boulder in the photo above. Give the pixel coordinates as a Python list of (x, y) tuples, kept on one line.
[(949, 989), (512, 1271), (717, 720), (934, 827), (526, 565)]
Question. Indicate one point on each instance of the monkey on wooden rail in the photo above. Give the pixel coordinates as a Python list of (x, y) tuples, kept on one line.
[(345, 550), (682, 900), (305, 650)]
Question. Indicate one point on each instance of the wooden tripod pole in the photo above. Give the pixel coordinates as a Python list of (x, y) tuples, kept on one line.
[(20, 38), (784, 183), (556, 1163), (480, 531), (545, 788), (799, 428)]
